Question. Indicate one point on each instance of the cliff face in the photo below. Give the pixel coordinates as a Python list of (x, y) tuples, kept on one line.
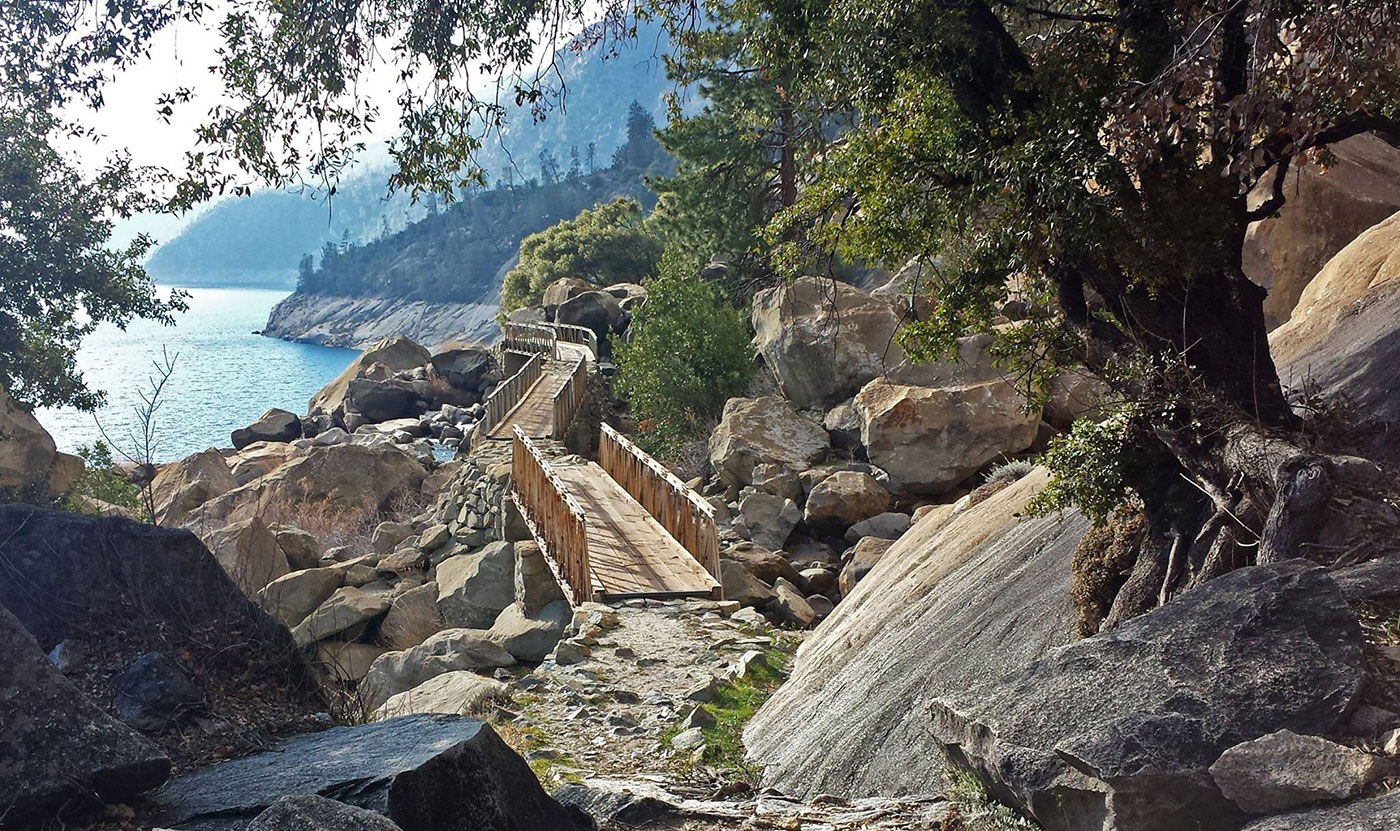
[(357, 321)]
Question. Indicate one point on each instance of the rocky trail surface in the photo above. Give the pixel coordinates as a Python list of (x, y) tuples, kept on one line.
[(620, 722)]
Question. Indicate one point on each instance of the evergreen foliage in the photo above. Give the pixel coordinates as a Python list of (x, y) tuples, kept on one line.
[(689, 352), (604, 244)]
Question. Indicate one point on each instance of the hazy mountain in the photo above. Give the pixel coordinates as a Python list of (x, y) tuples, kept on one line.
[(260, 239)]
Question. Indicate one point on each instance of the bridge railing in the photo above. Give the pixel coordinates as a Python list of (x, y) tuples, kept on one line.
[(680, 510), (508, 393), (569, 397), (569, 333), (555, 519), (531, 337)]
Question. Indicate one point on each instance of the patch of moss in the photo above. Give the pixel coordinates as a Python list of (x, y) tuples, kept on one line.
[(734, 704), (1102, 564)]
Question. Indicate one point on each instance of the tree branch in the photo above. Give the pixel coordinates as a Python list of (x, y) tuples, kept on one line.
[(1051, 14)]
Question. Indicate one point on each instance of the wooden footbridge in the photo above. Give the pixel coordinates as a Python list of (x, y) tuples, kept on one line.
[(622, 527), (544, 395)]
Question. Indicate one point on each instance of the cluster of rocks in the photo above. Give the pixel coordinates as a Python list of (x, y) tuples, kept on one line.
[(813, 485), (604, 311), (395, 392), (420, 621), (85, 726)]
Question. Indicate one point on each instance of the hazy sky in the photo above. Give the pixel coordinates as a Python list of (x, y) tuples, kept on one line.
[(181, 56)]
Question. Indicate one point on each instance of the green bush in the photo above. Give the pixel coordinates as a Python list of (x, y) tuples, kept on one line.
[(689, 353), (603, 245), (101, 480)]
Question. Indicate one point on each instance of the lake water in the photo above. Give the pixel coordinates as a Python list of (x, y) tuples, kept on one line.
[(225, 376)]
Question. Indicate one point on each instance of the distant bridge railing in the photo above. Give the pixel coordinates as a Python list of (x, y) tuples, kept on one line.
[(568, 333), (555, 519), (531, 337), (546, 337), (508, 393), (680, 510), (569, 397)]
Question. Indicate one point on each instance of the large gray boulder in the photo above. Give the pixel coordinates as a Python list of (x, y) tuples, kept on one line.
[(468, 368), (742, 587), (763, 431), (457, 693), (474, 588), (249, 552), (446, 651), (383, 400), (845, 498), (930, 439), (423, 772), (563, 290), (766, 519), (75, 574), (531, 635), (342, 480), (595, 310), (309, 812), (1120, 730), (1283, 771), (951, 604), (396, 354), (824, 339), (1381, 813), (274, 425), (59, 750), (344, 614)]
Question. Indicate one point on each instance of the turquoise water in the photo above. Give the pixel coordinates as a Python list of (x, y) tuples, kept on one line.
[(225, 376)]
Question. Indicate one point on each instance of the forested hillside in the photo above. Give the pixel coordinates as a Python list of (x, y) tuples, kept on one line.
[(457, 254)]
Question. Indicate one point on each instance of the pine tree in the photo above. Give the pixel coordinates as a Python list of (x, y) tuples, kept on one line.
[(575, 165), (549, 167), (740, 160)]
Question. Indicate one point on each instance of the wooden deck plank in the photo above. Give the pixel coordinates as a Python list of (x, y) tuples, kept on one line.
[(535, 412), (629, 552)]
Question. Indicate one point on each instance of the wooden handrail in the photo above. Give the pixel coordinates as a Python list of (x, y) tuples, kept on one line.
[(508, 393), (555, 519), (532, 337), (680, 510), (569, 397), (570, 333)]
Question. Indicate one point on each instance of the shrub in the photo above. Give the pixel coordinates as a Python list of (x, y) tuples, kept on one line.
[(689, 353), (103, 481), (604, 244)]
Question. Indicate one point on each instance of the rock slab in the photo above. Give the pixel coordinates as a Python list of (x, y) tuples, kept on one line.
[(423, 772), (1120, 730), (58, 748)]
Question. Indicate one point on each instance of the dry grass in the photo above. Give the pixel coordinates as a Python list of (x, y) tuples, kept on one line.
[(337, 528)]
